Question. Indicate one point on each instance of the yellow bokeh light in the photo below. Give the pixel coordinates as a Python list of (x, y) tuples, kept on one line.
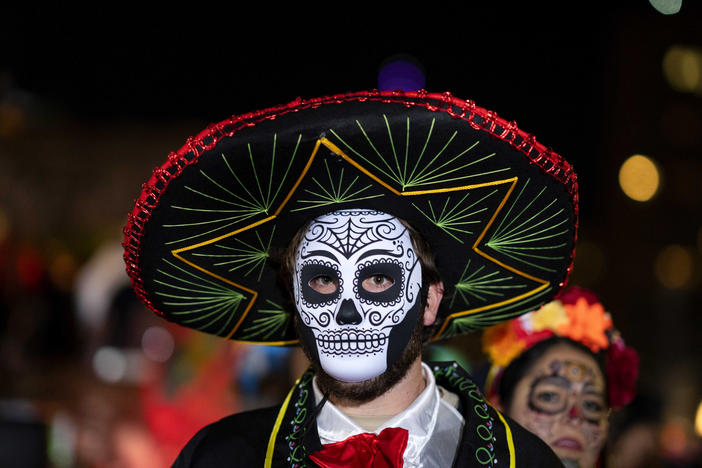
[(673, 267), (639, 178), (698, 420), (682, 67)]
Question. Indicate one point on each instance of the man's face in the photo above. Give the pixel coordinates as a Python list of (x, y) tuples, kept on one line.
[(357, 287), (562, 400)]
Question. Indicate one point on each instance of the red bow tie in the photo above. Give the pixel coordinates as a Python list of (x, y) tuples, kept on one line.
[(365, 450)]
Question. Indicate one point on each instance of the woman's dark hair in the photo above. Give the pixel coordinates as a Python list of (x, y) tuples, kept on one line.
[(522, 365)]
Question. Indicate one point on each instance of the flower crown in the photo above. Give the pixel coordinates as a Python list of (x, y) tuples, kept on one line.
[(577, 315)]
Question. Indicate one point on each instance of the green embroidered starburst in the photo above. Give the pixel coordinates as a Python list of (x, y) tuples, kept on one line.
[(203, 302), (475, 286), (271, 321), (335, 191), (248, 256), (478, 321), (455, 218), (235, 207), (528, 238), (434, 169)]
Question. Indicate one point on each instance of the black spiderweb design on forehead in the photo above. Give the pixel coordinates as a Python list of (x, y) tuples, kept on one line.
[(347, 234)]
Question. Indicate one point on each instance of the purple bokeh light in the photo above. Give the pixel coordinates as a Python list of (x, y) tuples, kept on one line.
[(401, 74)]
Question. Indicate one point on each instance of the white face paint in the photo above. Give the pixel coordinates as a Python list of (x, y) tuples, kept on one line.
[(357, 286)]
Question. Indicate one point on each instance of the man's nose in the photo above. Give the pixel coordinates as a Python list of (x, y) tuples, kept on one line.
[(347, 314)]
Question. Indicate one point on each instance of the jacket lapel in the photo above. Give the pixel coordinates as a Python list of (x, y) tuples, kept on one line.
[(294, 435), (487, 438)]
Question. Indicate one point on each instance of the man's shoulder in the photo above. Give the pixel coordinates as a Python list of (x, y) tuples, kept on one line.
[(529, 449), (241, 437)]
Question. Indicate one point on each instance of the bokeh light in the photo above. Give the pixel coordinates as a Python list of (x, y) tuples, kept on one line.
[(110, 364), (401, 72), (682, 67), (62, 440), (666, 7), (698, 420), (674, 438), (62, 269), (639, 178), (158, 344), (12, 119), (673, 267)]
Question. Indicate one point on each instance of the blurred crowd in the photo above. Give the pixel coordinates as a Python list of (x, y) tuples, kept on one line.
[(91, 378)]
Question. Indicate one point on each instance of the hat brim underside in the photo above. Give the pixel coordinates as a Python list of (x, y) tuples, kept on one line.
[(498, 208)]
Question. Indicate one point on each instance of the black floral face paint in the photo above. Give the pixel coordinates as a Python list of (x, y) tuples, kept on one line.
[(357, 286)]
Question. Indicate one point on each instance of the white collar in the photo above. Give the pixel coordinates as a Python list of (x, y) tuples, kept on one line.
[(419, 418)]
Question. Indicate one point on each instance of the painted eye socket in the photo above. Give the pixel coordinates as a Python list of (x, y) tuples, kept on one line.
[(377, 283), (548, 398), (324, 284), (320, 282), (594, 408)]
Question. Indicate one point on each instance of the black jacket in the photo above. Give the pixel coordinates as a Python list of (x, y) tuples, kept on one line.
[(284, 435)]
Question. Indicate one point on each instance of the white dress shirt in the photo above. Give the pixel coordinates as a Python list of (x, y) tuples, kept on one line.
[(433, 424)]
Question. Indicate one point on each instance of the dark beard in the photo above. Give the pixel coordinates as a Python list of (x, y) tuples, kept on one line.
[(356, 393)]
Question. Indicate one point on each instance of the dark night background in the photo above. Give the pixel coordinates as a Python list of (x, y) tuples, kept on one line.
[(89, 108)]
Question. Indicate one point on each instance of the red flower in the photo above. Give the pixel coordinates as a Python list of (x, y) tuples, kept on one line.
[(573, 293), (622, 371)]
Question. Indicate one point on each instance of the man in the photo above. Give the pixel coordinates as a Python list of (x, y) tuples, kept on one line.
[(344, 185)]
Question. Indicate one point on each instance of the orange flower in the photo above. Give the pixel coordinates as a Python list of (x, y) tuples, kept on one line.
[(586, 324), (502, 344)]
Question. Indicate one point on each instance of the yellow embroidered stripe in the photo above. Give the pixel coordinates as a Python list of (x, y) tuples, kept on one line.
[(510, 441), (276, 427)]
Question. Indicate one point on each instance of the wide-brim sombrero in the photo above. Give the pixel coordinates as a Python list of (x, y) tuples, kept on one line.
[(498, 208)]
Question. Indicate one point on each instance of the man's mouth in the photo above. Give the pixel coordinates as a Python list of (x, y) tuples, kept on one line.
[(351, 342), (569, 444)]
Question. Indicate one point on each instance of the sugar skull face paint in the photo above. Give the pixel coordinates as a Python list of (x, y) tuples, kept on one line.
[(357, 286), (562, 400)]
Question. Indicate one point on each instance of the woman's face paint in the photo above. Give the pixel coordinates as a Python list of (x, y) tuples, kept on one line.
[(562, 400)]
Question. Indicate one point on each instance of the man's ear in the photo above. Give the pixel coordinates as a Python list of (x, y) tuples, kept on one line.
[(436, 292)]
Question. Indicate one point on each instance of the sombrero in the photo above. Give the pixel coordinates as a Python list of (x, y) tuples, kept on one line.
[(498, 208)]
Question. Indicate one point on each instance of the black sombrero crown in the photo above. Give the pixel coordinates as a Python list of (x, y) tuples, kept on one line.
[(498, 208)]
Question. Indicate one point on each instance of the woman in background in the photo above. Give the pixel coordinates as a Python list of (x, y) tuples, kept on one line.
[(558, 371)]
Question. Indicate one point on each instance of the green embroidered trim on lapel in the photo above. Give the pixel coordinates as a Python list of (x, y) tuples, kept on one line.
[(480, 417), (295, 424)]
